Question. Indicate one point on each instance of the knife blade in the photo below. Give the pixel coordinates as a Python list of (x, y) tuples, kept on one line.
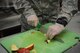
[(59, 40)]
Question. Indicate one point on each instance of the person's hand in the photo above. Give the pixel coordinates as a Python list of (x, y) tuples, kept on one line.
[(32, 20), (54, 30)]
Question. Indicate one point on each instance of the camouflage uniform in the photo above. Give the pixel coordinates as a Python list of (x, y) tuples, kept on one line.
[(46, 8)]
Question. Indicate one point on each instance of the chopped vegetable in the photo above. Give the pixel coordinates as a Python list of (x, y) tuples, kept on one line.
[(30, 47), (32, 32), (47, 41), (23, 50), (14, 47), (34, 51)]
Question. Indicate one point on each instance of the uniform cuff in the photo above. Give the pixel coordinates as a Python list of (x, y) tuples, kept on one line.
[(63, 21)]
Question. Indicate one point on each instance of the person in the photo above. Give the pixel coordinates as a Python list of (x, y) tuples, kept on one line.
[(33, 10), (62, 10)]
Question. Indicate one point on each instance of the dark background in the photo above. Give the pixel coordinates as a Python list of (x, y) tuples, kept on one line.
[(79, 5)]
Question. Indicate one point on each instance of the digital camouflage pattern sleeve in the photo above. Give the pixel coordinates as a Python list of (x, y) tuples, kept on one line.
[(26, 11), (24, 4), (68, 10)]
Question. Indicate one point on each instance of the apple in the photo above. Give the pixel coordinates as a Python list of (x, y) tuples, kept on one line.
[(14, 47), (30, 47), (23, 50)]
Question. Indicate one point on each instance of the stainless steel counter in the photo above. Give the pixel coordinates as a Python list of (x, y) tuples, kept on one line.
[(7, 21)]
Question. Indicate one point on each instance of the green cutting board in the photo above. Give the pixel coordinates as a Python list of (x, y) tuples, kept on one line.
[(38, 39)]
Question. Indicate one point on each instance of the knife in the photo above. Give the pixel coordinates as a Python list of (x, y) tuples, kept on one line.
[(59, 40)]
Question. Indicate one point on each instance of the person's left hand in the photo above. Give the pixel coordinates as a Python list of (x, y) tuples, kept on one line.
[(54, 30), (32, 20)]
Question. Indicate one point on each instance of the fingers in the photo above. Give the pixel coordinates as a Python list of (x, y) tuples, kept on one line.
[(50, 34), (54, 30), (36, 22), (33, 22), (53, 33)]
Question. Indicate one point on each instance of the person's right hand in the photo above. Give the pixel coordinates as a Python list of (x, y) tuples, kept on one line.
[(32, 20), (54, 30)]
